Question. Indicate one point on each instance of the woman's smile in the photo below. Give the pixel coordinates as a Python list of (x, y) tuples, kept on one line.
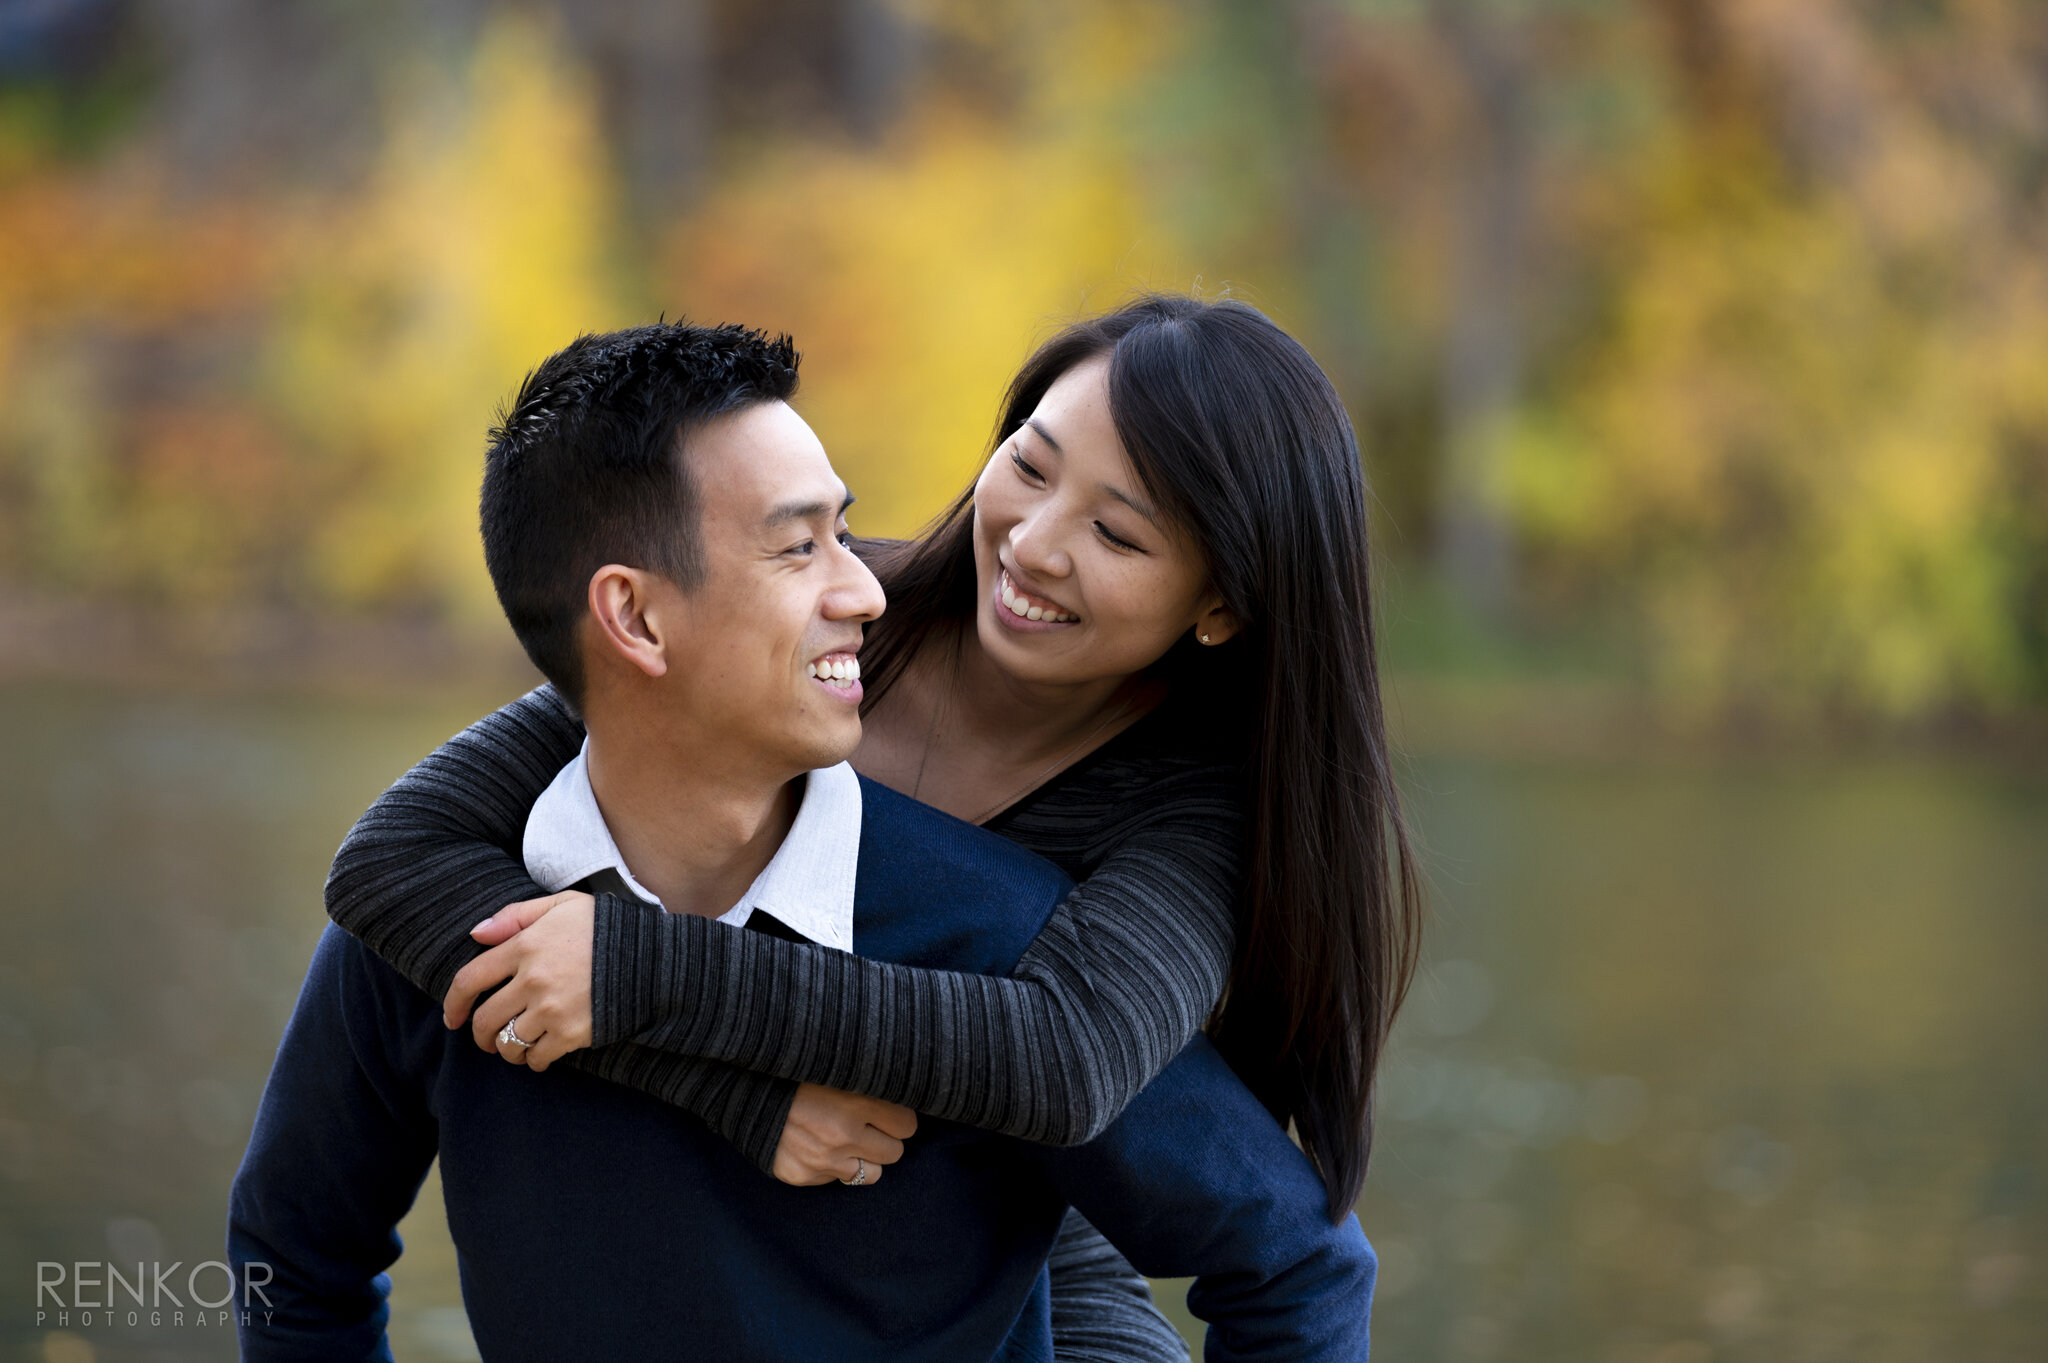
[(1025, 612)]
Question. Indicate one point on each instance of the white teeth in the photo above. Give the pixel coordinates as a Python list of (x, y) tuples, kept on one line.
[(1020, 605), (812, 669), (837, 670)]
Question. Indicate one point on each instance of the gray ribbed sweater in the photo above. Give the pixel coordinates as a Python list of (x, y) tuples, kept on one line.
[(1128, 967), (1126, 970)]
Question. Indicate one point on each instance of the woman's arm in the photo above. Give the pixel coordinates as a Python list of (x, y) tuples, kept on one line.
[(1102, 1309), (1125, 971), (1127, 968), (439, 852)]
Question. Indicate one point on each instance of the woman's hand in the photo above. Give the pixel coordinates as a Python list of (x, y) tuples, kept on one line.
[(540, 953), (829, 1132)]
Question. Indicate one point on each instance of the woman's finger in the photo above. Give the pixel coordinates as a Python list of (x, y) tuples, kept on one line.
[(486, 972), (866, 1170), (878, 1147), (517, 1054), (514, 1053), (546, 1049), (515, 918), (494, 1012), (895, 1120)]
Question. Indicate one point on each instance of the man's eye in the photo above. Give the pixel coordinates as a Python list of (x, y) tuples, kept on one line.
[(1024, 468), (808, 546)]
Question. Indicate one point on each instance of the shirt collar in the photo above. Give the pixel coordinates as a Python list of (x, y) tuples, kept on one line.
[(807, 885)]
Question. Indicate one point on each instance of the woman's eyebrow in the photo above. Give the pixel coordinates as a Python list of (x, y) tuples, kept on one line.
[(1131, 502), (1043, 434)]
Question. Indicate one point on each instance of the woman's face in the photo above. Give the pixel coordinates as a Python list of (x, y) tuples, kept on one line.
[(1081, 577)]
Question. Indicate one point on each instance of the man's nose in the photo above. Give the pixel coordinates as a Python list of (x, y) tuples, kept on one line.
[(857, 595)]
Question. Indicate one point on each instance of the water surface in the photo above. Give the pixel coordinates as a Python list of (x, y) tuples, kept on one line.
[(1711, 1062)]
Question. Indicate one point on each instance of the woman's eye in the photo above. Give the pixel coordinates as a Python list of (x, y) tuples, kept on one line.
[(845, 538), (1024, 468), (1110, 535), (806, 547)]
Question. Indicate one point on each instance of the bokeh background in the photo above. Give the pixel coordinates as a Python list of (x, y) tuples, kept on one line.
[(1699, 350)]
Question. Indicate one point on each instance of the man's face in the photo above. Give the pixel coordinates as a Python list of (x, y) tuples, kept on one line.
[(782, 602)]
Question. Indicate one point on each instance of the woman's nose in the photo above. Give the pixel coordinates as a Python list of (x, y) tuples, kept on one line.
[(1037, 546)]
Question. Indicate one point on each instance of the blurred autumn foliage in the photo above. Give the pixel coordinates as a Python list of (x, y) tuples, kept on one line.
[(1712, 334)]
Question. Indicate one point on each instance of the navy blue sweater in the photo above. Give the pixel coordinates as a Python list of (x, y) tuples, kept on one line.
[(592, 1221)]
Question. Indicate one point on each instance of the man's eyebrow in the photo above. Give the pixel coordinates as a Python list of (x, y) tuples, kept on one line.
[(1043, 434), (804, 511), (1132, 503)]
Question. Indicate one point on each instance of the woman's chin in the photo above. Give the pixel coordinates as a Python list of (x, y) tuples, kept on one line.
[(1031, 658)]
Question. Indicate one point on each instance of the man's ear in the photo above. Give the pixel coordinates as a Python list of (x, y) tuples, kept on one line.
[(628, 606), (1214, 621)]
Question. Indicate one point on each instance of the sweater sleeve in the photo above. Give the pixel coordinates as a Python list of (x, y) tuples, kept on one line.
[(1127, 969), (440, 851), (1102, 1309)]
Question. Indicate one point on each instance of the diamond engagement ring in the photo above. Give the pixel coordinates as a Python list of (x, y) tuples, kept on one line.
[(508, 1037), (860, 1173)]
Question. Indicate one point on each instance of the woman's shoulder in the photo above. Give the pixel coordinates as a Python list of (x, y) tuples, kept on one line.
[(1151, 773)]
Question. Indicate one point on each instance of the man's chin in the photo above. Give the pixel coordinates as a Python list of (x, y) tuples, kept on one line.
[(829, 745)]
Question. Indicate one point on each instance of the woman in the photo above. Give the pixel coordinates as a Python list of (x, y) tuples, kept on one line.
[(1140, 645)]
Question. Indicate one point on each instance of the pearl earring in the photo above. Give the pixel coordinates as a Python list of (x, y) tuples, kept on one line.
[(1205, 638)]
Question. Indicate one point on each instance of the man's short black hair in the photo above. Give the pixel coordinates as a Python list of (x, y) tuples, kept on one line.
[(587, 468)]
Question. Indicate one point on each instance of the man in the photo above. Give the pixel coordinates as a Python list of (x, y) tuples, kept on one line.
[(710, 666)]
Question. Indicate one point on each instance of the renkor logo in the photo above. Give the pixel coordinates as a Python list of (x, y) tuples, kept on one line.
[(102, 1293)]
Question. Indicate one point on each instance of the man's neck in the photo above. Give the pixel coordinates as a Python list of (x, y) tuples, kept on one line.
[(693, 833)]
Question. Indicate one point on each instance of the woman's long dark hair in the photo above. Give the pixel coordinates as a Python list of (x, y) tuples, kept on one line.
[(1238, 435)]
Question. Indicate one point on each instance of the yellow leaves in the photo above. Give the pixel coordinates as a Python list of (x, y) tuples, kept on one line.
[(1792, 451), (1556, 482), (911, 280), (381, 324), (479, 248), (916, 276), (208, 485), (1794, 436), (356, 349)]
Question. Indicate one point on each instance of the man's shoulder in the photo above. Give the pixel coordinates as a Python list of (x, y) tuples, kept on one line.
[(350, 981), (930, 883), (910, 834)]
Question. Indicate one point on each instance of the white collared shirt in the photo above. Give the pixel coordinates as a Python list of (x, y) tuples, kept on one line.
[(807, 885)]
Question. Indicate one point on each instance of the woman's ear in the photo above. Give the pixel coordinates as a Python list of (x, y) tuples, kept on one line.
[(1216, 622), (629, 624)]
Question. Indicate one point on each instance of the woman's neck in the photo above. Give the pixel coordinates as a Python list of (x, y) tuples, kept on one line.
[(970, 738), (1025, 721)]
